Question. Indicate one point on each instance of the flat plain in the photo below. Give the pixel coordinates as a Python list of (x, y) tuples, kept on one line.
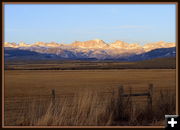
[(40, 82)]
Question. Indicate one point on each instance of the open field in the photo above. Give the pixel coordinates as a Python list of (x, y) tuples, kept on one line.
[(28, 92), (29, 82)]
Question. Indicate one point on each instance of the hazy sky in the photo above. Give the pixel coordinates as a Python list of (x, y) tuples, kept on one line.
[(65, 23)]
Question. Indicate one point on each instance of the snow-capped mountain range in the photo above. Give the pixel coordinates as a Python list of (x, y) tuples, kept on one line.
[(91, 49)]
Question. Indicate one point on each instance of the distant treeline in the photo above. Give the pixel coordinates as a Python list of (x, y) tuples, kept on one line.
[(158, 63)]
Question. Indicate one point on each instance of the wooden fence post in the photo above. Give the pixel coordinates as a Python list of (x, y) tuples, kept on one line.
[(119, 102), (130, 101), (120, 91), (150, 96), (53, 95), (113, 92), (113, 96)]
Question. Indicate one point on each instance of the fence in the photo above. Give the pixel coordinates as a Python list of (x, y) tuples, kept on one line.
[(22, 107), (121, 94), (148, 94), (19, 106)]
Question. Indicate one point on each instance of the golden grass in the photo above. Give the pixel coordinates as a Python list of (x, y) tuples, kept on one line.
[(29, 82), (82, 98), (93, 108)]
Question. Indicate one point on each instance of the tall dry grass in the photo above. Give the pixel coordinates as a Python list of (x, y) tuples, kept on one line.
[(94, 108)]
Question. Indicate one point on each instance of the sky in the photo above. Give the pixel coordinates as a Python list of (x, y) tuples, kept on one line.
[(66, 23)]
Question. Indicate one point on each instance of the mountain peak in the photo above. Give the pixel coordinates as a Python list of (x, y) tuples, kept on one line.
[(119, 41), (97, 43), (98, 40), (119, 44), (23, 44), (8, 44), (156, 45), (40, 44)]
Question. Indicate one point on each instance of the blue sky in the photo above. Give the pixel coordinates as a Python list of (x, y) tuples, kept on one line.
[(65, 23)]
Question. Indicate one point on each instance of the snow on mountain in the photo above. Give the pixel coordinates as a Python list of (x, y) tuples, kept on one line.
[(22, 44), (52, 44), (119, 44), (90, 44), (96, 44), (123, 47), (13, 45), (90, 49), (156, 53), (156, 45)]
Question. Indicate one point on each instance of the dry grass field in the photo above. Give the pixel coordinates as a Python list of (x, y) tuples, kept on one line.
[(87, 97), (29, 82)]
